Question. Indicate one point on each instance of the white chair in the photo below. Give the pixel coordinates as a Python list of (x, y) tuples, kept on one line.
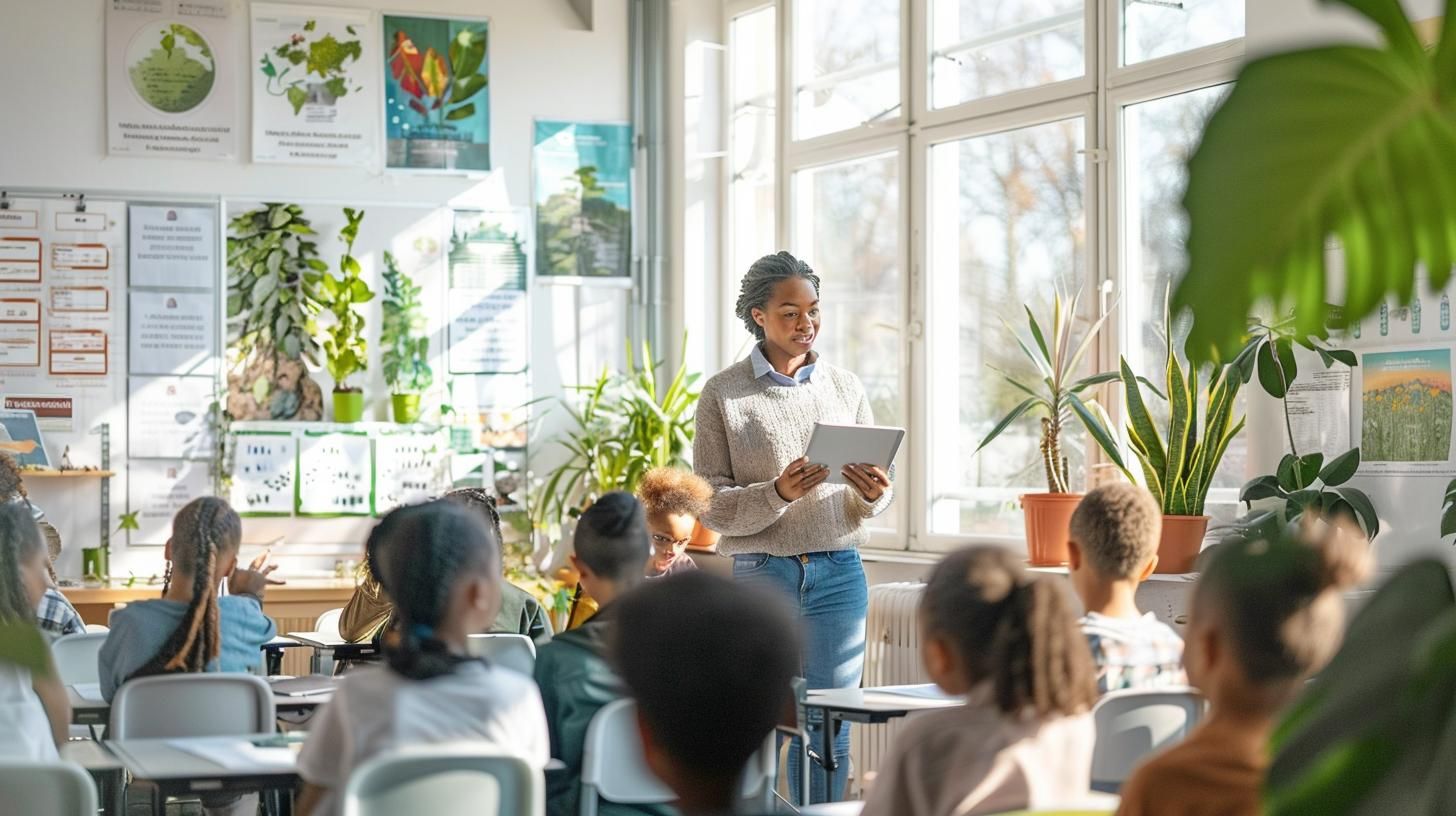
[(327, 624), (97, 627), (47, 789), (75, 657), (192, 705), (1132, 724), (516, 652), (445, 784), (850, 808)]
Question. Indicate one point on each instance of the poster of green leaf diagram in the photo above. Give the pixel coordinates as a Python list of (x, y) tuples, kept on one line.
[(436, 94), (315, 85), (583, 195)]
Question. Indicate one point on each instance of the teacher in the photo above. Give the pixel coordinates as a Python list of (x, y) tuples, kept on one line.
[(784, 527)]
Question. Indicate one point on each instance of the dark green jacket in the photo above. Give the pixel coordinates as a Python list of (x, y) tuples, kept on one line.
[(575, 683), (522, 614)]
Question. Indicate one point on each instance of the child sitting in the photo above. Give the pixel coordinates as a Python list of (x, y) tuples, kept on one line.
[(681, 635), (1008, 640), (191, 628), (674, 500), (54, 614), (35, 713), (572, 671), (1113, 548), (442, 565), (1266, 615)]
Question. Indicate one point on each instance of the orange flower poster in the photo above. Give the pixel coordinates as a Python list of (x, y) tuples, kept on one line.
[(1405, 408)]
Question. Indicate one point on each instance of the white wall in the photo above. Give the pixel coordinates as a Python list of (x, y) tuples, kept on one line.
[(543, 64), (1277, 25)]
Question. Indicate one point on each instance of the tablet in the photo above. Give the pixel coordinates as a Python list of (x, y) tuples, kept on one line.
[(835, 446)]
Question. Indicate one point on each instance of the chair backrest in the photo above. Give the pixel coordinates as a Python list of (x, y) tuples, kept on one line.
[(192, 705), (75, 657), (445, 784), (515, 652), (612, 764), (1132, 724), (97, 627), (328, 624), (47, 789)]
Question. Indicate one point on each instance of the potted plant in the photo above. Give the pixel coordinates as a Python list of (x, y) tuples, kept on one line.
[(406, 357), (1055, 395), (344, 348)]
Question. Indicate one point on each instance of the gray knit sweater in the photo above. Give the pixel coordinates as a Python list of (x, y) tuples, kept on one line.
[(748, 431)]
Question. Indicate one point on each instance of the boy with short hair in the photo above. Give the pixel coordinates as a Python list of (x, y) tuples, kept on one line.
[(611, 551), (1113, 548), (685, 633)]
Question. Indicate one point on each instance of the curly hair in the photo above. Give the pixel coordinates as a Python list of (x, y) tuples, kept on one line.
[(759, 282), (20, 539), (671, 491), (1013, 628), (1117, 528), (12, 483)]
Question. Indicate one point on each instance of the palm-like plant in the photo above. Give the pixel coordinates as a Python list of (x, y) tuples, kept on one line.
[(1057, 397)]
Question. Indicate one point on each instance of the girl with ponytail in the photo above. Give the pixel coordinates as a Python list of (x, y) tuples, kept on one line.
[(35, 713), (1007, 640), (193, 628), (440, 562)]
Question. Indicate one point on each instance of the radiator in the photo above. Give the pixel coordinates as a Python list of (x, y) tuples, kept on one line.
[(892, 657)]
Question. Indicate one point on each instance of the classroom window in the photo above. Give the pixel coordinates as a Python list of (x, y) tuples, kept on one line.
[(752, 137), (846, 64), (980, 49), (1007, 228), (1160, 28)]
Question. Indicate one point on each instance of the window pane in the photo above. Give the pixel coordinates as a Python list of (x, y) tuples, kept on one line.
[(846, 219), (752, 138), (846, 56), (1158, 137), (1157, 28), (1007, 228), (980, 49)]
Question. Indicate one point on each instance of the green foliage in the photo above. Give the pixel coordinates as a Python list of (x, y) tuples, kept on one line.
[(273, 284), (1448, 510), (129, 522), (1055, 395), (622, 429), (435, 89), (406, 357), (564, 247), (23, 645), (172, 79), (1344, 141), (344, 344), (328, 58)]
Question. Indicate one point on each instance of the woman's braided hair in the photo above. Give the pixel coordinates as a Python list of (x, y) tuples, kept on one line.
[(1012, 628), (20, 539), (759, 282), (203, 534)]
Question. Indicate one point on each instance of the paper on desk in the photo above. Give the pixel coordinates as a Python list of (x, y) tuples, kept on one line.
[(235, 752), (921, 691), (90, 692)]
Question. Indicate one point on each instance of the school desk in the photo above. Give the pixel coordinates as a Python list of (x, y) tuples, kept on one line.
[(870, 706)]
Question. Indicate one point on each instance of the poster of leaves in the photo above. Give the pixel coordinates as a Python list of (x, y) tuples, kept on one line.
[(583, 195), (436, 94), (315, 85)]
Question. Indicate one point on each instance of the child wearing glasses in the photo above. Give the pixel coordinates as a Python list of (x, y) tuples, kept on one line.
[(673, 500)]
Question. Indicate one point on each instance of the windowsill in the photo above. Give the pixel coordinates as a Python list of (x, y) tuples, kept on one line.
[(881, 556)]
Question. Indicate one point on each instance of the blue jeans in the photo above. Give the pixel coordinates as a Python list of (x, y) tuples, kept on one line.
[(829, 590)]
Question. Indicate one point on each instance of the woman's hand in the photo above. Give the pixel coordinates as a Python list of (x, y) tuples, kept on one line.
[(799, 478), (869, 480), (255, 579)]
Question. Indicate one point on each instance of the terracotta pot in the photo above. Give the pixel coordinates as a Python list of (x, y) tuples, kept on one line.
[(1048, 515), (704, 539), (1182, 540)]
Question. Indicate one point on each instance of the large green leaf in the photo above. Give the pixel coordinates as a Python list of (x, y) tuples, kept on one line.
[(1141, 429), (1339, 141)]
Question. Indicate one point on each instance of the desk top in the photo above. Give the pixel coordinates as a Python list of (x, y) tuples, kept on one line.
[(91, 755), (203, 758), (88, 708), (885, 700), (297, 590), (319, 640)]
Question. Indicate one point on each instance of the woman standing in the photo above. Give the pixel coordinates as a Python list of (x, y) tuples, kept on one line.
[(782, 524)]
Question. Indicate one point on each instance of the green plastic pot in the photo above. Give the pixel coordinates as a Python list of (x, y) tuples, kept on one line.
[(348, 406), (406, 408), (95, 563)]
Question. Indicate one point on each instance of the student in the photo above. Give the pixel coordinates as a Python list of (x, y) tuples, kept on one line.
[(610, 553), (710, 664), (35, 713), (674, 501), (369, 610), (1113, 548), (1266, 615), (1008, 640), (190, 628), (54, 614), (442, 565)]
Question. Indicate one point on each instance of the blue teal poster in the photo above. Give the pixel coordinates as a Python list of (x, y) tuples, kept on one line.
[(436, 94), (583, 197), (20, 438)]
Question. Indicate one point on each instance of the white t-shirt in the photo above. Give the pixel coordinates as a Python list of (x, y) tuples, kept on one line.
[(375, 711), (25, 730)]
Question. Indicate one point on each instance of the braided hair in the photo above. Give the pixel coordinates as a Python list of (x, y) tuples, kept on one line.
[(424, 551), (1012, 628), (20, 540), (759, 282), (482, 501), (12, 483), (204, 534)]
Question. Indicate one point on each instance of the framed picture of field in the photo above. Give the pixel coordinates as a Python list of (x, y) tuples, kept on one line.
[(1405, 422)]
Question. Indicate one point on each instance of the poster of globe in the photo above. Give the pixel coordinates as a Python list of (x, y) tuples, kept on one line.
[(169, 80)]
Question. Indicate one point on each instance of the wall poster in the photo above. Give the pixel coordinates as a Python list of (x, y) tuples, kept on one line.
[(1402, 416), (436, 94), (583, 195), (315, 81), (157, 489), (488, 327), (169, 78)]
